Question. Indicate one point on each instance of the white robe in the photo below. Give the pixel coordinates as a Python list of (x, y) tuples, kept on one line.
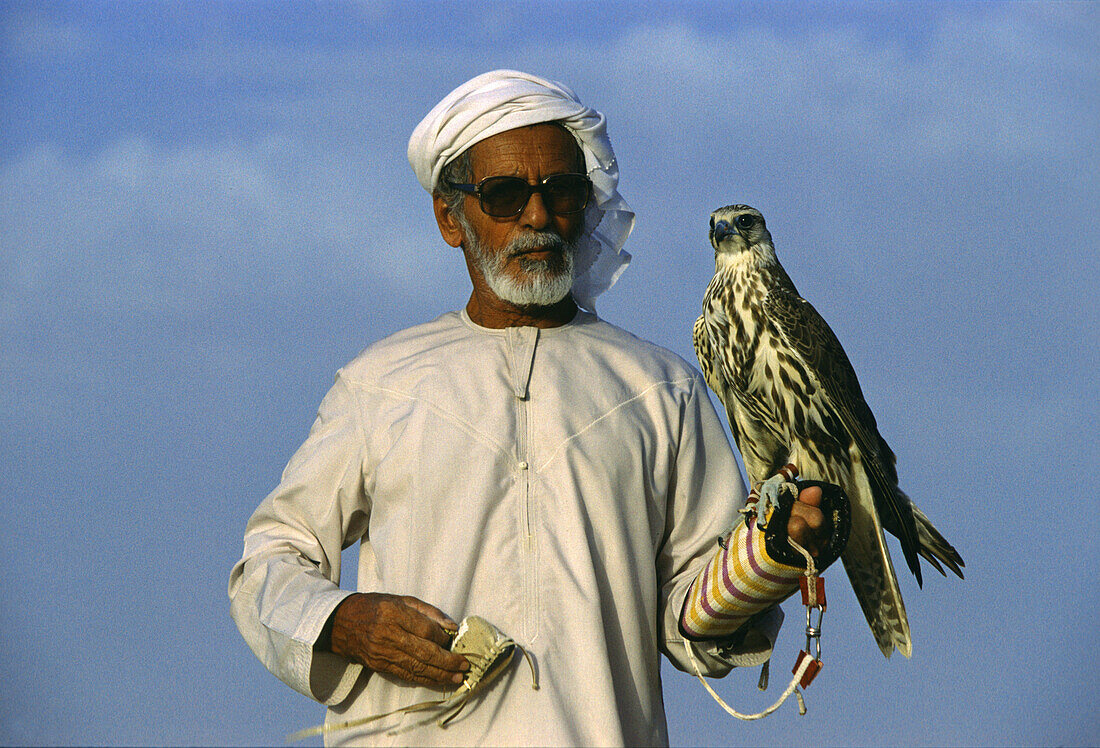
[(566, 484)]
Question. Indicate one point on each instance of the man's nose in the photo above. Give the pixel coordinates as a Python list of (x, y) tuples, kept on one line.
[(535, 214)]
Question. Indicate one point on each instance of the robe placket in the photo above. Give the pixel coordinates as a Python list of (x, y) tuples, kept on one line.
[(521, 342)]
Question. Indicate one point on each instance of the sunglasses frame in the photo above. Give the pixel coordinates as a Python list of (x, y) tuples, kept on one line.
[(476, 189)]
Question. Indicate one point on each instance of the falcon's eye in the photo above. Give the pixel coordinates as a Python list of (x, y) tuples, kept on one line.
[(746, 221)]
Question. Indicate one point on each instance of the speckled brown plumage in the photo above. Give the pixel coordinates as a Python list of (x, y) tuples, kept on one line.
[(791, 395)]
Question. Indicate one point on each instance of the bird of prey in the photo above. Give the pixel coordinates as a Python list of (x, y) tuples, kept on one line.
[(792, 397)]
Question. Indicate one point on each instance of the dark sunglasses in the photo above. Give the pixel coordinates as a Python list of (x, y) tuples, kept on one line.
[(504, 197)]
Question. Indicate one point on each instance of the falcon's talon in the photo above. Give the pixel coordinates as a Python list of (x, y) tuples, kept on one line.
[(770, 491), (747, 512)]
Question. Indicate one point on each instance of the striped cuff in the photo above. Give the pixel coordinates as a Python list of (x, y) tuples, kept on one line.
[(739, 582)]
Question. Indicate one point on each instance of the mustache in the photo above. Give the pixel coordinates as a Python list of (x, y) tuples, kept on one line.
[(539, 241)]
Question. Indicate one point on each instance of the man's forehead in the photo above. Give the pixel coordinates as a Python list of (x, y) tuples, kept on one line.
[(548, 145)]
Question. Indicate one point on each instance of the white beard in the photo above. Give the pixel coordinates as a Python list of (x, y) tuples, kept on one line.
[(541, 283)]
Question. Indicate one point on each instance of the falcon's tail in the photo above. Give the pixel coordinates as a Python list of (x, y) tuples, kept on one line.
[(933, 546), (867, 562)]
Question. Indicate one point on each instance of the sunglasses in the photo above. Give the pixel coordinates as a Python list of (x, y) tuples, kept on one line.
[(504, 197)]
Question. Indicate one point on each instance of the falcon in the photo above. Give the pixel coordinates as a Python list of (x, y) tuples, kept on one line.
[(792, 398)]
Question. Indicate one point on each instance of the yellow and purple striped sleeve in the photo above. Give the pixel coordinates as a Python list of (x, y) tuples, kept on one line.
[(739, 582)]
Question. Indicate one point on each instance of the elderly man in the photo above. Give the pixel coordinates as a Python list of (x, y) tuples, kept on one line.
[(519, 459)]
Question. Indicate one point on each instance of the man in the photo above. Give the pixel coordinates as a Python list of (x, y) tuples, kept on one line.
[(520, 460)]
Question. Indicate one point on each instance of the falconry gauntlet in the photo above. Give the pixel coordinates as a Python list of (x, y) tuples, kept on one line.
[(838, 524)]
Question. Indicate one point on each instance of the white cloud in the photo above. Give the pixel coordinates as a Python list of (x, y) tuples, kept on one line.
[(36, 38), (173, 227), (986, 85)]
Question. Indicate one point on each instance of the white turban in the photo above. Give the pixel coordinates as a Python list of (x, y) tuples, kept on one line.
[(503, 100)]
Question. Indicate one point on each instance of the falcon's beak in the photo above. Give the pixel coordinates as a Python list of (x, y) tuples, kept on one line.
[(722, 230)]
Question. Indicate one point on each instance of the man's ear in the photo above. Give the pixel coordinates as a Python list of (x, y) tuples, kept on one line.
[(449, 227)]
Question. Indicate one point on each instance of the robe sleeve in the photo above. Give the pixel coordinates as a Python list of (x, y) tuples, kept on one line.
[(703, 500), (286, 585)]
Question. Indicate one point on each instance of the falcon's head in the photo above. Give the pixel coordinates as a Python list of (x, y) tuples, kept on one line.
[(738, 234)]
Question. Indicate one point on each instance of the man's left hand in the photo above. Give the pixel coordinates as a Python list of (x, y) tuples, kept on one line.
[(807, 525)]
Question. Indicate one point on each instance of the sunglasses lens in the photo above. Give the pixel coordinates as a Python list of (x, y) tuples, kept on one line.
[(504, 196), (566, 193)]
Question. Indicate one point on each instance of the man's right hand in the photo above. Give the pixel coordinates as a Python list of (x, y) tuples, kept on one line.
[(399, 635)]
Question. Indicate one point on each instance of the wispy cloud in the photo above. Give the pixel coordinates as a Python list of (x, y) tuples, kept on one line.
[(149, 225), (36, 38)]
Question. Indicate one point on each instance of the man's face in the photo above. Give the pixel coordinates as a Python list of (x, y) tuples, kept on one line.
[(525, 259)]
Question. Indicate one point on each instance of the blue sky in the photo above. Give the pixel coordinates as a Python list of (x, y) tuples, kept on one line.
[(205, 210)]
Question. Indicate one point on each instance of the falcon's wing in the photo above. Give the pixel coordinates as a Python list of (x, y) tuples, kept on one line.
[(810, 336), (700, 338), (704, 351)]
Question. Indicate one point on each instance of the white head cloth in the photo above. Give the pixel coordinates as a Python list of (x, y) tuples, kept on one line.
[(503, 100)]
